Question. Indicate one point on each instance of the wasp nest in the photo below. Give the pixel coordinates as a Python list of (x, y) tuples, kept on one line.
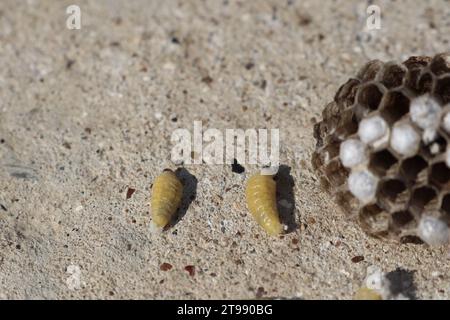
[(383, 149)]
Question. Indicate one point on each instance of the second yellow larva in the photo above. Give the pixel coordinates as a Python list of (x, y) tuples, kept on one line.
[(261, 201), (167, 192), (365, 293)]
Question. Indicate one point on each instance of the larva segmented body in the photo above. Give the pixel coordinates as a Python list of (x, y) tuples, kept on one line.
[(262, 204), (365, 293), (166, 197)]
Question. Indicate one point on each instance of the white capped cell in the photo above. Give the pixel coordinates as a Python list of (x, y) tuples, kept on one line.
[(372, 129), (363, 185), (446, 122), (433, 231), (404, 139), (352, 153), (425, 111)]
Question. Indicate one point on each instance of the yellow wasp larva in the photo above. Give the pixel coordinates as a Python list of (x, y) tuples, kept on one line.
[(166, 197), (365, 293), (262, 204)]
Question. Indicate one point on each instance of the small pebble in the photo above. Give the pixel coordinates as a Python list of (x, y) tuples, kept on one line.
[(165, 266), (357, 259), (190, 270), (130, 192)]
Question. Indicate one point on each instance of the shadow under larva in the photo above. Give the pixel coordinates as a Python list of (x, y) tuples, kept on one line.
[(286, 197), (189, 182)]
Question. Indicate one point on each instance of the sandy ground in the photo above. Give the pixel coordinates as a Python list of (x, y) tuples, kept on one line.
[(86, 115)]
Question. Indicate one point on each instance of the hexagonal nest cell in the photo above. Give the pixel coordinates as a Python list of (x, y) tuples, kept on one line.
[(401, 114)]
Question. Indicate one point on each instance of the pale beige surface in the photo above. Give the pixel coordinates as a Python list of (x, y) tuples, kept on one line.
[(85, 114)]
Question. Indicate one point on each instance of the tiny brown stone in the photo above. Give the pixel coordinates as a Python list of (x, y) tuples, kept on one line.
[(260, 292), (357, 259), (130, 192), (165, 266), (190, 270)]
